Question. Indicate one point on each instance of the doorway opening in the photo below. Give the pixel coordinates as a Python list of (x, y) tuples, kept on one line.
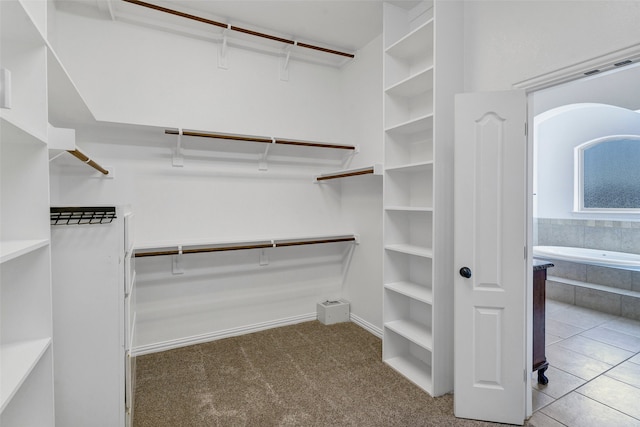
[(589, 302)]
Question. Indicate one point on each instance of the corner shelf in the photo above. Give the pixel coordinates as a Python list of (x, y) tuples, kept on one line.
[(423, 123), (410, 250), (10, 249), (17, 360), (412, 290), (417, 83)]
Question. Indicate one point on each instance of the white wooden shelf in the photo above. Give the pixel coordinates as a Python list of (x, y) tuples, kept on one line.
[(411, 167), (408, 208), (413, 85), (412, 290), (413, 369), (410, 250), (16, 133), (413, 331), (16, 362), (10, 249), (414, 43), (419, 124)]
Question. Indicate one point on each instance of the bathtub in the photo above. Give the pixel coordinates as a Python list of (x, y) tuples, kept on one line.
[(598, 257)]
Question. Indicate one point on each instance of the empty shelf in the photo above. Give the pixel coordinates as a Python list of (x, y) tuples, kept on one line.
[(10, 249), (412, 290), (17, 360), (413, 369), (411, 250), (413, 331)]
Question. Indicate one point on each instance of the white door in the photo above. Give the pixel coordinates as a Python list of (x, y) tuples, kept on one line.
[(489, 242)]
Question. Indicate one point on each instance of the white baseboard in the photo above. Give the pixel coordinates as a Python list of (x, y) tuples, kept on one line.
[(366, 325), (212, 336)]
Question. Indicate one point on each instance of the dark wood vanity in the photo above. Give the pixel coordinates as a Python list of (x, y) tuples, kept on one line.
[(540, 363)]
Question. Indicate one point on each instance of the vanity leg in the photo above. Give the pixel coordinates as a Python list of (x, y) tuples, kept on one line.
[(542, 378)]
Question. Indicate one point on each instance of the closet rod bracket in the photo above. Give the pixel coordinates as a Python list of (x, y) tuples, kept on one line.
[(176, 264), (284, 63), (262, 164), (178, 158), (224, 48)]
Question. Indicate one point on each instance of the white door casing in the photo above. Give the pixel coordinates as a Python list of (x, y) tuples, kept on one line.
[(490, 239)]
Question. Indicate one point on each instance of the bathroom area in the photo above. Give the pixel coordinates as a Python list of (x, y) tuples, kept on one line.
[(586, 185)]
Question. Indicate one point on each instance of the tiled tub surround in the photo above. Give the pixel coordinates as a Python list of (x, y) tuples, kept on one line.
[(608, 290)]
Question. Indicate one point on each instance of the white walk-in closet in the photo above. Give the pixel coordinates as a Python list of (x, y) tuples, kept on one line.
[(174, 173)]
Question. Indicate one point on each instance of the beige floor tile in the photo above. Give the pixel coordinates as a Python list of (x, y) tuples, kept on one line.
[(553, 306), (540, 400), (635, 359), (551, 339), (581, 317), (626, 372), (560, 383), (595, 349), (615, 394), (576, 410), (627, 326), (538, 419), (575, 363), (561, 329), (613, 337)]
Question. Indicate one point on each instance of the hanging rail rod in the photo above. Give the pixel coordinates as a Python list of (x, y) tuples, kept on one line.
[(260, 139), (375, 170), (84, 158), (238, 29), (261, 245)]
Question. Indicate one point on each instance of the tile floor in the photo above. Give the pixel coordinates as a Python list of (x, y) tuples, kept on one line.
[(594, 370)]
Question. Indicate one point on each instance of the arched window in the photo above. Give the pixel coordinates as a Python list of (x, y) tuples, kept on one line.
[(608, 174)]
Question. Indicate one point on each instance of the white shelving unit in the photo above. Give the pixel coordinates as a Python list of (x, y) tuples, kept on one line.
[(97, 329), (422, 50), (26, 361)]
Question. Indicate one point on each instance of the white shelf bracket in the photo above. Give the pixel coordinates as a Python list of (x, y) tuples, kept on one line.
[(178, 159), (224, 49), (264, 258), (176, 264), (262, 165), (5, 88), (348, 159), (357, 237), (284, 64)]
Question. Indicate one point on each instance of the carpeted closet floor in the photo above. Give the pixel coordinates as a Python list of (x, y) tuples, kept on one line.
[(307, 374)]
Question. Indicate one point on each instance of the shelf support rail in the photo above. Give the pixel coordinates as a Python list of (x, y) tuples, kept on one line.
[(240, 29), (180, 250), (84, 158)]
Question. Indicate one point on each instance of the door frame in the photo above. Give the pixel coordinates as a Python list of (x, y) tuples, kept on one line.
[(577, 71)]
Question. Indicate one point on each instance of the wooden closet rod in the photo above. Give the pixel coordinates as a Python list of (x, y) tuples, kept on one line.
[(238, 29), (346, 174), (273, 244), (84, 158), (263, 140)]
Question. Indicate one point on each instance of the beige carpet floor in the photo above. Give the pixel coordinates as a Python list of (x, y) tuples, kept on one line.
[(307, 374)]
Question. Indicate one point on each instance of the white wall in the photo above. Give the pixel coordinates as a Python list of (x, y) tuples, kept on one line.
[(145, 76), (557, 132), (510, 41), (362, 196)]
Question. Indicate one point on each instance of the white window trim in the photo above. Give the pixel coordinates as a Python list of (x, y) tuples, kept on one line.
[(578, 186)]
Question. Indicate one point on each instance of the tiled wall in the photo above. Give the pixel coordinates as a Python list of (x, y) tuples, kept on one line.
[(619, 236)]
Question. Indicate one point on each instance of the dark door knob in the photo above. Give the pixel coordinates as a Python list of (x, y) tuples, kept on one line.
[(465, 272)]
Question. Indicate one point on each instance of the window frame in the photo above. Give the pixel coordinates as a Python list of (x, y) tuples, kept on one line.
[(578, 192)]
